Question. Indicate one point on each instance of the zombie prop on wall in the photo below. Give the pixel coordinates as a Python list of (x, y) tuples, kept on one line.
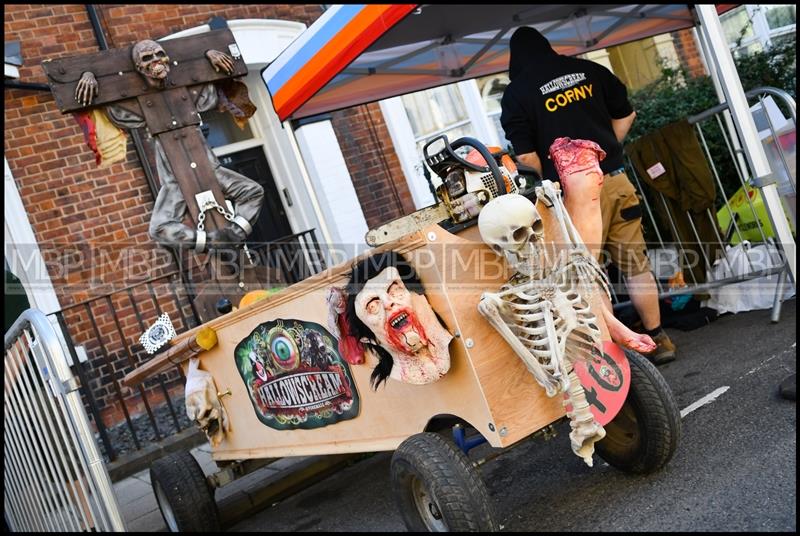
[(166, 96), (388, 313), (295, 376)]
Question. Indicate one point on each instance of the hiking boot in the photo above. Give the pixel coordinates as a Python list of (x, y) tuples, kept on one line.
[(665, 350)]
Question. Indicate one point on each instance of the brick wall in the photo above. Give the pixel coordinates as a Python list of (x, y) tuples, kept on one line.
[(689, 52), (91, 223), (373, 164)]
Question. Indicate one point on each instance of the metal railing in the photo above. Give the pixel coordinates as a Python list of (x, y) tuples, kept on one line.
[(108, 328), (54, 475), (716, 115)]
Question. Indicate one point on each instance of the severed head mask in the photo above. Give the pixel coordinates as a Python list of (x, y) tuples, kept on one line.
[(404, 325)]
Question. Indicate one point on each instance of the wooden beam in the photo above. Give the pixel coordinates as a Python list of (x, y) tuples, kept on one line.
[(118, 79)]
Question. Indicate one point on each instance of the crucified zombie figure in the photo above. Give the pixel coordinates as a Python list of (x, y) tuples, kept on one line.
[(179, 145)]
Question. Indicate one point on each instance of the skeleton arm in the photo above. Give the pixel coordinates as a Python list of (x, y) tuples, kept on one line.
[(492, 307)]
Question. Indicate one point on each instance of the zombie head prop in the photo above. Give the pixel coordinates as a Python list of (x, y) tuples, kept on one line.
[(151, 61), (387, 310)]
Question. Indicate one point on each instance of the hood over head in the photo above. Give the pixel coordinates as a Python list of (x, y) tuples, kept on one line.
[(526, 44)]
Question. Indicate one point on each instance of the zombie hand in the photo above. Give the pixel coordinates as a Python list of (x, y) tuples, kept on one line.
[(229, 236), (86, 90), (202, 404), (220, 60)]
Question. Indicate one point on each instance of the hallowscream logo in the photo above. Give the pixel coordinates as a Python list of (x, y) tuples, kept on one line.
[(295, 376)]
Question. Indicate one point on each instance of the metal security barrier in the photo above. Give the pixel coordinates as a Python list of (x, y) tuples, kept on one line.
[(54, 475), (783, 166)]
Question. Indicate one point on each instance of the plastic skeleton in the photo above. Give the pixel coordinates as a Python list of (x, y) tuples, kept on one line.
[(543, 311)]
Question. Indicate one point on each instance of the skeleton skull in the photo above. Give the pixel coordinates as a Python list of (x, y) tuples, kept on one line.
[(151, 61), (508, 224), (203, 406)]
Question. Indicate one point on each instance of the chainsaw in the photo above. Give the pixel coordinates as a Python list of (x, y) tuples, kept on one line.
[(463, 186)]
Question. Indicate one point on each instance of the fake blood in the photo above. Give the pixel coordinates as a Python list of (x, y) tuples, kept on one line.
[(576, 156), (393, 335)]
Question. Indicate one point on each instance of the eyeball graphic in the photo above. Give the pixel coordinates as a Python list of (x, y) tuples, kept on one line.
[(284, 350)]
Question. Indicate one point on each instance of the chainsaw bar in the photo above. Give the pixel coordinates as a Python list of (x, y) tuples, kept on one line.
[(407, 225)]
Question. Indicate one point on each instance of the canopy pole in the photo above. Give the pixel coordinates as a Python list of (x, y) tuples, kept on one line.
[(722, 60), (711, 67), (301, 163)]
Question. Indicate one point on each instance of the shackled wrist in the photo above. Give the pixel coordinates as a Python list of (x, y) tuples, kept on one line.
[(200, 242), (242, 222)]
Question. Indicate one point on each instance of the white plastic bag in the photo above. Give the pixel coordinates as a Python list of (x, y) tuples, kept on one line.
[(202, 403), (750, 295)]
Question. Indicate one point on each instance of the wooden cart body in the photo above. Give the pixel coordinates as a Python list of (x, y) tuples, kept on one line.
[(487, 385)]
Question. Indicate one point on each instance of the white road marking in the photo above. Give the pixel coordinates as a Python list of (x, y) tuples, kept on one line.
[(764, 363), (709, 398)]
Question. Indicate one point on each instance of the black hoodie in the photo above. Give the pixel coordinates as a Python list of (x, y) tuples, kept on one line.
[(552, 96)]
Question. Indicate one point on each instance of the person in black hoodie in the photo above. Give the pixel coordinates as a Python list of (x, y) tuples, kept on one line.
[(553, 96)]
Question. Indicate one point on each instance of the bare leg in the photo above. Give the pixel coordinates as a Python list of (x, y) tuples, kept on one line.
[(582, 201), (644, 296)]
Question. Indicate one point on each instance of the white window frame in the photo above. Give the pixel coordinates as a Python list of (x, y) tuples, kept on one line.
[(762, 33)]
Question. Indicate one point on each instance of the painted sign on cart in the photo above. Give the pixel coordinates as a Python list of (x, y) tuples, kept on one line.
[(606, 381), (295, 376)]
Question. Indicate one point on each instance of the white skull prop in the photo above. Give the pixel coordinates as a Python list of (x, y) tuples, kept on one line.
[(511, 226), (151, 61)]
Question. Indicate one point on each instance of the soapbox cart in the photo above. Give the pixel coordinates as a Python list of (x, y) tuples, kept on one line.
[(307, 408)]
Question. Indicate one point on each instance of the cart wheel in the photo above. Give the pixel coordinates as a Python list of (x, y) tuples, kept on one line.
[(644, 435), (437, 488), (185, 498)]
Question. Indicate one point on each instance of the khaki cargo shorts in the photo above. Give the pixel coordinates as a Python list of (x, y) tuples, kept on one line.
[(622, 225)]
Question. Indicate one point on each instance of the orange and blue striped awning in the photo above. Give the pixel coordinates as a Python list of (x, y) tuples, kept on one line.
[(359, 53), (328, 46)]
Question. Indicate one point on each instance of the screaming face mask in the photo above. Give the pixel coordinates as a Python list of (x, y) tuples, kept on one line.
[(405, 326)]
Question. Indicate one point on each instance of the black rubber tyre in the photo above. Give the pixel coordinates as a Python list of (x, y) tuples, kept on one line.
[(437, 489), (183, 494), (644, 435)]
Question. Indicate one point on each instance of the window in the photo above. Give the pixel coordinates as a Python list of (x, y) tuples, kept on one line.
[(437, 111), (752, 28), (222, 129), (737, 25), (780, 17), (491, 89)]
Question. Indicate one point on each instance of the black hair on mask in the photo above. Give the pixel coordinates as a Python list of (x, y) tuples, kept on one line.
[(526, 43), (362, 272)]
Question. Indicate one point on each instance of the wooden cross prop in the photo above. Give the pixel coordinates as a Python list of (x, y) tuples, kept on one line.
[(169, 112)]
